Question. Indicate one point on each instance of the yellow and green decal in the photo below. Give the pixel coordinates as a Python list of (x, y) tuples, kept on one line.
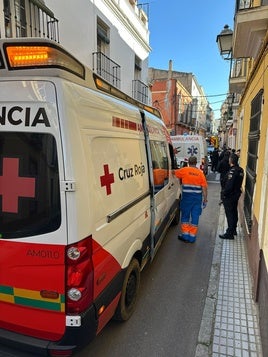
[(31, 298)]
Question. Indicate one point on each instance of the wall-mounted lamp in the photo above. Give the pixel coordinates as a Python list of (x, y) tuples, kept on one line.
[(230, 101), (224, 41), (225, 117)]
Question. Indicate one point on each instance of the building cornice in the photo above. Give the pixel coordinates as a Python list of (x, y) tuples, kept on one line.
[(125, 21)]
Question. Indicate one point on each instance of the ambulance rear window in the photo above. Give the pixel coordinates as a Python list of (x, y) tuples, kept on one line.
[(29, 185)]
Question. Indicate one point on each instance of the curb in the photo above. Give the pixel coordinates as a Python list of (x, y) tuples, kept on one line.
[(206, 332)]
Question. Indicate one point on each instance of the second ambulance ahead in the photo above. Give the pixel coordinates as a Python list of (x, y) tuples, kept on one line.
[(191, 145)]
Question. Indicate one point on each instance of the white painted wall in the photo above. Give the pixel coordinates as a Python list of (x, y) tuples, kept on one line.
[(128, 34)]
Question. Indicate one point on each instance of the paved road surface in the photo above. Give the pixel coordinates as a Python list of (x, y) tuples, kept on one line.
[(171, 300)]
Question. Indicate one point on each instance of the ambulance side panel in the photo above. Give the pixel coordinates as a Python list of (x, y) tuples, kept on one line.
[(109, 166)]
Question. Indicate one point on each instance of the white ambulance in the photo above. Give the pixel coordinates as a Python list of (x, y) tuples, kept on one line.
[(87, 193), (191, 145)]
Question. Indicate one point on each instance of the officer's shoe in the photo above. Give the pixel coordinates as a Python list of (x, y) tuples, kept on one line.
[(235, 233), (226, 236)]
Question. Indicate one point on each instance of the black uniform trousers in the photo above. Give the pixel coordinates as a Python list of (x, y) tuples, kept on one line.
[(231, 212)]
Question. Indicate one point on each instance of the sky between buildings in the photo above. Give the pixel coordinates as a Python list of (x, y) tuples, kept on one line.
[(185, 32)]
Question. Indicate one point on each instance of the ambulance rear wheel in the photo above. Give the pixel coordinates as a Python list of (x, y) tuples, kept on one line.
[(129, 293)]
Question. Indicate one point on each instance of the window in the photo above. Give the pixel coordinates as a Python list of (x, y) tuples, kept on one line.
[(160, 164), (29, 162), (137, 68), (102, 37), (252, 158)]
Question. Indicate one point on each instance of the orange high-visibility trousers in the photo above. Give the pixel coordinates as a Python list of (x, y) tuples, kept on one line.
[(190, 212)]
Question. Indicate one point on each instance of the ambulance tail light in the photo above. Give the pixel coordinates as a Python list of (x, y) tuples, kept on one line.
[(26, 56), (79, 284)]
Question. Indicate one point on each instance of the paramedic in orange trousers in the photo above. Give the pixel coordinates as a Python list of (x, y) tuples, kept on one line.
[(194, 195)]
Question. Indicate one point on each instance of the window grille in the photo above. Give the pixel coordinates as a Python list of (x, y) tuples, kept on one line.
[(252, 156)]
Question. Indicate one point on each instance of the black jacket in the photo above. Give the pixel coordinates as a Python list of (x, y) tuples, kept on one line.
[(223, 167), (233, 182)]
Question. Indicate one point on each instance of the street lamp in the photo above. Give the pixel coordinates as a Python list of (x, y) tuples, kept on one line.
[(230, 99), (224, 41)]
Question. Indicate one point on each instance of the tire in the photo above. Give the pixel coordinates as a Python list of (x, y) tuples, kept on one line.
[(130, 288)]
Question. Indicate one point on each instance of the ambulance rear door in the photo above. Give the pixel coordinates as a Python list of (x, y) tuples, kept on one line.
[(33, 231)]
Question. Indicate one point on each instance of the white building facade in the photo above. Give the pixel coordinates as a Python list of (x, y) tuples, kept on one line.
[(109, 36)]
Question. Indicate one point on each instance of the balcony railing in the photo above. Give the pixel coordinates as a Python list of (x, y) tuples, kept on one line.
[(140, 91), (32, 20), (238, 74), (247, 4), (250, 27), (243, 4), (106, 68)]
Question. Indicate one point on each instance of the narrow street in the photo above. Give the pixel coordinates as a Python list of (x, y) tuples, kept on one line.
[(172, 295), (171, 300), (100, 101)]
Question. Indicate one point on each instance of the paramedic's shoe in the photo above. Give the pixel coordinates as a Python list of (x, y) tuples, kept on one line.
[(235, 233), (182, 239), (226, 236)]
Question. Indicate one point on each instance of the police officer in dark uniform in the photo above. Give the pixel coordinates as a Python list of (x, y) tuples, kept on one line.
[(230, 196)]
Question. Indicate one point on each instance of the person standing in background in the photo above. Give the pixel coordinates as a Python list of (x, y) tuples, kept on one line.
[(214, 159), (194, 194), (223, 167)]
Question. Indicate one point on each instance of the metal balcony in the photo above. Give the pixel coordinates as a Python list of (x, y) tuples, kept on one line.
[(34, 19), (140, 91), (238, 74), (106, 68), (251, 24)]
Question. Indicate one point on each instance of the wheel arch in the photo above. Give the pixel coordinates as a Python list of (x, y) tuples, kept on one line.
[(135, 251)]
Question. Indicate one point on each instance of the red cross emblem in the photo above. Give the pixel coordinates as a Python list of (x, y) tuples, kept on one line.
[(13, 186), (107, 179)]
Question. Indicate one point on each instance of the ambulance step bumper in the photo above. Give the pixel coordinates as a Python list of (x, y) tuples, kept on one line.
[(74, 338)]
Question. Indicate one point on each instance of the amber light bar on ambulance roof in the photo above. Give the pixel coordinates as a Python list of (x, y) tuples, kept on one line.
[(108, 88), (41, 55)]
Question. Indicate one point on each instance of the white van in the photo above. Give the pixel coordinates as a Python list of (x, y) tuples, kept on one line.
[(87, 193), (191, 145)]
